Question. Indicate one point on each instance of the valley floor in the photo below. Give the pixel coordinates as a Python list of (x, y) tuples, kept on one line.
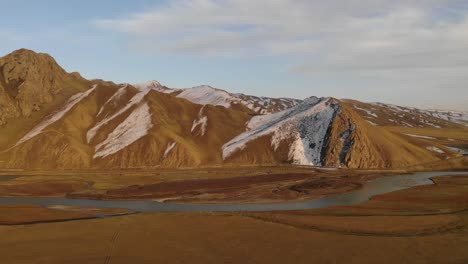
[(425, 224), (208, 185)]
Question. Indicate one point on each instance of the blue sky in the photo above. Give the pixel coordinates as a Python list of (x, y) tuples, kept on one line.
[(403, 52)]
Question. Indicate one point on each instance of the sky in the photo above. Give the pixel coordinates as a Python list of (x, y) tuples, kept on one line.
[(411, 53)]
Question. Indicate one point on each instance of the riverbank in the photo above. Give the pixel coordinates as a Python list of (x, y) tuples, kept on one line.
[(240, 185), (416, 225), (25, 214)]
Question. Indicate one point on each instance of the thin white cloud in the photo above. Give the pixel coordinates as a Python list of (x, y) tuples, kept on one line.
[(403, 39), (350, 34), (420, 44)]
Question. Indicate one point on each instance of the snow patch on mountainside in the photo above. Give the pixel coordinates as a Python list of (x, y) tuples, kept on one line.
[(368, 112), (434, 125), (453, 116), (419, 136), (168, 150), (120, 92), (422, 117), (201, 121), (134, 127), (435, 149), (148, 85), (313, 128), (154, 85), (298, 153), (266, 105), (260, 120), (306, 124), (56, 116), (406, 124), (136, 99), (205, 94)]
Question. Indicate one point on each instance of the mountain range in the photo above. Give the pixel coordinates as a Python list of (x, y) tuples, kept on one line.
[(50, 118)]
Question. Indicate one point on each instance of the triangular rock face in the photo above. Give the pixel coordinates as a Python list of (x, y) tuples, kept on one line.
[(98, 124), (305, 128)]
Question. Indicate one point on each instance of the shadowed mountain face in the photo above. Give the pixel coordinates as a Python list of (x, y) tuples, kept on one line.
[(52, 119), (27, 82)]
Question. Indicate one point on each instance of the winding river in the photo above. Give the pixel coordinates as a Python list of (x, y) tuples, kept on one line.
[(370, 189)]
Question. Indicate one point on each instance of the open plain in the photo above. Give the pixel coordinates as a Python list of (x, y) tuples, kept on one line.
[(423, 224)]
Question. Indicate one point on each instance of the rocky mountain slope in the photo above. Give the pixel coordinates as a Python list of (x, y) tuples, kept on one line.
[(28, 81), (77, 123), (206, 94), (387, 114)]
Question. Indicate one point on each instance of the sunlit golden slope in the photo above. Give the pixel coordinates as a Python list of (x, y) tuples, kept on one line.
[(173, 139), (64, 121), (31, 86), (350, 141), (376, 146)]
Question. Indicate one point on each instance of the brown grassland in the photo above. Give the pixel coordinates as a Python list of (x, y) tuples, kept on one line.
[(208, 185), (425, 224)]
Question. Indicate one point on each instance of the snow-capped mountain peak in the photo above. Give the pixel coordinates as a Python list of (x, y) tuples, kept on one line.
[(205, 94), (208, 95), (154, 85)]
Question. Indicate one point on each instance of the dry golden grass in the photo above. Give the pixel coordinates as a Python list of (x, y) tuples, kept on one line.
[(28, 214), (456, 134), (17, 127), (34, 214), (395, 228), (369, 225), (459, 163), (388, 147), (224, 184), (217, 238)]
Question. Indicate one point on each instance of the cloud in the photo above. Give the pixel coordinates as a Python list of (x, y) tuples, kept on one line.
[(324, 35), (403, 39)]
